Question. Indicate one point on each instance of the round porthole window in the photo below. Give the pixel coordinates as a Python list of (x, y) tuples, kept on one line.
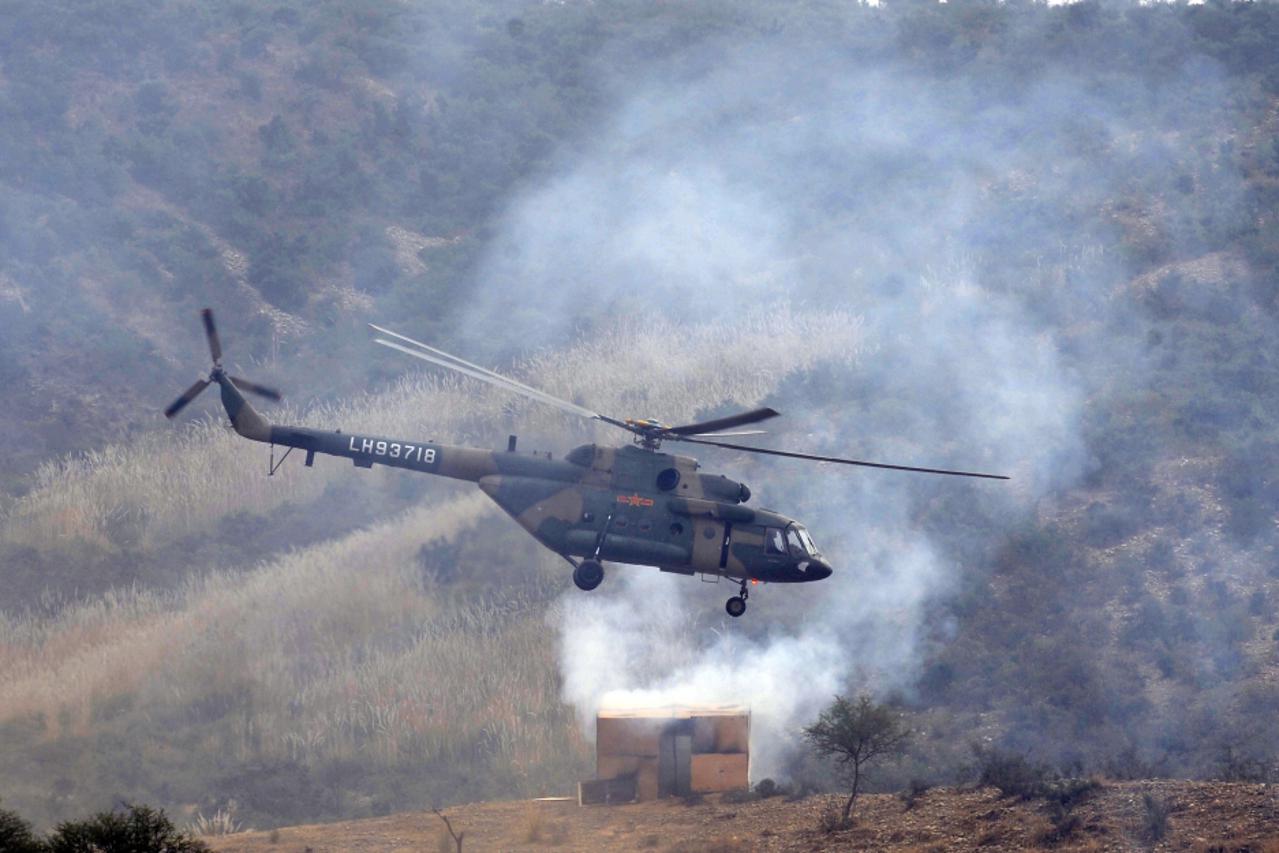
[(667, 479), (677, 529)]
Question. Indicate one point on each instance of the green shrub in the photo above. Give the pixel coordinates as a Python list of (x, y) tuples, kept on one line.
[(139, 829)]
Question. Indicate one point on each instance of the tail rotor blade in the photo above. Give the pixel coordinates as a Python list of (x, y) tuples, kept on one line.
[(187, 396), (211, 331), (255, 388)]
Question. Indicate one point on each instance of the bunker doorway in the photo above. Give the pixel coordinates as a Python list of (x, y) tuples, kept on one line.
[(675, 761)]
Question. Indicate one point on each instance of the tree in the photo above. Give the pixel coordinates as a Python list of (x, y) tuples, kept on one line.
[(140, 829), (16, 835), (856, 735)]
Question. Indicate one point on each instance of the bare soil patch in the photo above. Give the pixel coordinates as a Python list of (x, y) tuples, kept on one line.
[(1202, 816)]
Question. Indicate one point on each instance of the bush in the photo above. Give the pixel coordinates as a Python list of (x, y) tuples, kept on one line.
[(1014, 775), (1064, 824), (140, 829), (832, 819), (1155, 813), (913, 791), (766, 788), (1063, 795), (1011, 773)]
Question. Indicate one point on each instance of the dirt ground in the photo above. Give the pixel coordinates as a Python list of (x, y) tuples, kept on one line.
[(1208, 817)]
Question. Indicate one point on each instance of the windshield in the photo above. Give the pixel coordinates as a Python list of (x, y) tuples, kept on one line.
[(800, 542)]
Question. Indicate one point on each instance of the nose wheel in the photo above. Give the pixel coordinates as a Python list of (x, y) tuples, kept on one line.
[(588, 575), (736, 605)]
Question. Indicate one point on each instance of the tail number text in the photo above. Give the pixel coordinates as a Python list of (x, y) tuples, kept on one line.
[(392, 449)]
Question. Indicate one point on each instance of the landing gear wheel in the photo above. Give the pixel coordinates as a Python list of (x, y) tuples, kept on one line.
[(736, 606), (588, 575)]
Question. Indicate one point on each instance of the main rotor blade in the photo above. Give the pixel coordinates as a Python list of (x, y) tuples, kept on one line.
[(255, 388), (741, 419), (211, 332), (841, 461), (728, 434), (484, 375), (187, 396), (455, 360)]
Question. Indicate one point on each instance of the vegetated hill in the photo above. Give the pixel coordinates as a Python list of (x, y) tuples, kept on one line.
[(1035, 240), (1119, 816)]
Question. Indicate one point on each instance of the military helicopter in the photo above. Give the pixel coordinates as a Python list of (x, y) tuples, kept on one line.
[(632, 504)]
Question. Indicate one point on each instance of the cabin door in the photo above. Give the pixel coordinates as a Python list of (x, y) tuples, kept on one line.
[(709, 545)]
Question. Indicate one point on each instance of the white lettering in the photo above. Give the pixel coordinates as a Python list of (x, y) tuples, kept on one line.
[(430, 455), (351, 447), (366, 445), (395, 450), (381, 448)]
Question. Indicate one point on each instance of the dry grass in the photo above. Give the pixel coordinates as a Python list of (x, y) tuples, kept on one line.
[(222, 822)]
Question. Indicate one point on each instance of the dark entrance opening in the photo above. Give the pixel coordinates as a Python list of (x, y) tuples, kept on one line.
[(675, 760)]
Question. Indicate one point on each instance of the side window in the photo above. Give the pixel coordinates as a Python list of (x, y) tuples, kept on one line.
[(774, 544)]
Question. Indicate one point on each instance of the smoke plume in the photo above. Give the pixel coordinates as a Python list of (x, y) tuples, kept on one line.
[(770, 177)]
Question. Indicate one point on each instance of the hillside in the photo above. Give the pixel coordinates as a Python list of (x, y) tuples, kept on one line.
[(1013, 237), (1202, 817)]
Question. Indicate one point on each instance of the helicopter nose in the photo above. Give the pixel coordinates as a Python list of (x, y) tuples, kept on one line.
[(817, 570)]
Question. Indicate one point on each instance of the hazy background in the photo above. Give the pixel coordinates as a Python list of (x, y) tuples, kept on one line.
[(1004, 237)]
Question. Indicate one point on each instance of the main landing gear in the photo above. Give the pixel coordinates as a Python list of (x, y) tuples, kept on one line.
[(736, 605), (588, 575)]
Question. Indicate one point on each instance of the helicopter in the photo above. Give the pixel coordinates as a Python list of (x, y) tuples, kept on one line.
[(634, 504)]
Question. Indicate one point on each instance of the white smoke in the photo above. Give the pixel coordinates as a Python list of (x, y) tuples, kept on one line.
[(770, 179)]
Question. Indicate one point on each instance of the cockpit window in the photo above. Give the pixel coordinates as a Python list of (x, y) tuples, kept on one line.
[(776, 545), (792, 539)]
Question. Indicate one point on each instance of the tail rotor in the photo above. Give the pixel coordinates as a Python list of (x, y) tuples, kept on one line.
[(217, 375)]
